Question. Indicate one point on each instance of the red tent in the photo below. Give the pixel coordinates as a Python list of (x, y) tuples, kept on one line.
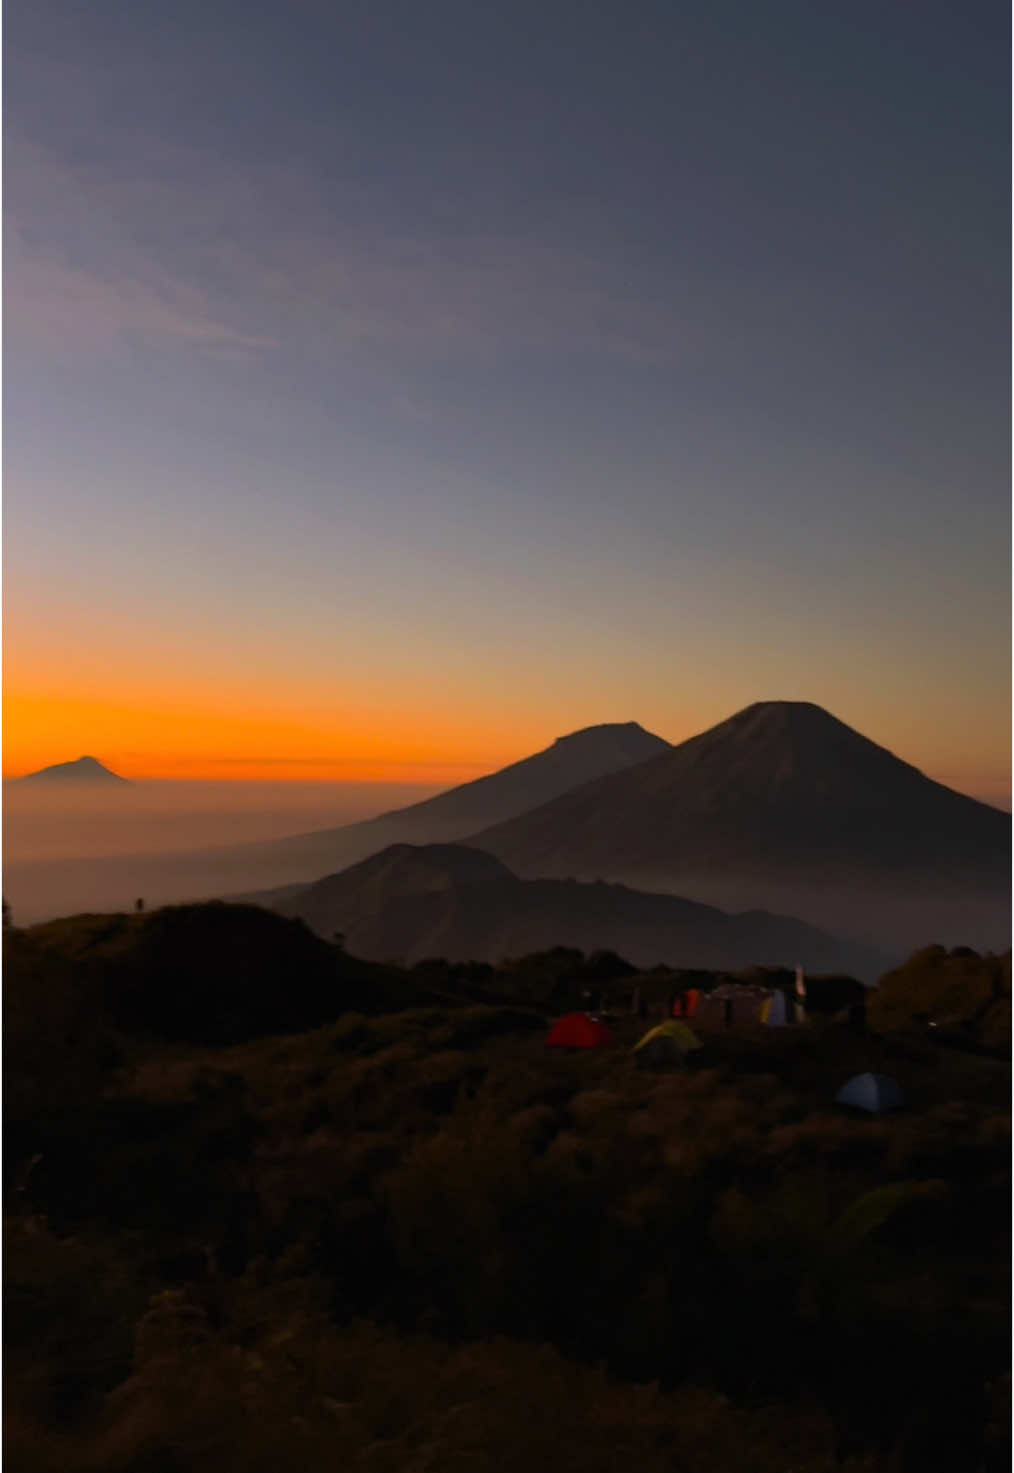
[(577, 1030), (685, 1005)]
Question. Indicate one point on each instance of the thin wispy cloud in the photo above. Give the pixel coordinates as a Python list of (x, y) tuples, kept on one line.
[(66, 308), (190, 252), (99, 254)]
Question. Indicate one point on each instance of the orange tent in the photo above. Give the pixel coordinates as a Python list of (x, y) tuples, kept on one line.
[(685, 1005), (577, 1030)]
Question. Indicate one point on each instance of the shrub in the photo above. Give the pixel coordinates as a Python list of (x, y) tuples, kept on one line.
[(957, 991)]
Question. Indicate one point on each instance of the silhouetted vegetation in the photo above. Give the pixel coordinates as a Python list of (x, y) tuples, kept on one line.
[(415, 1237), (964, 995), (215, 973)]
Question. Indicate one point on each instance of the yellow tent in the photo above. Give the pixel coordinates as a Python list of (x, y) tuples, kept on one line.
[(677, 1035)]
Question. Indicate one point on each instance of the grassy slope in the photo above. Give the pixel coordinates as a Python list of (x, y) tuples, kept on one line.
[(408, 1240)]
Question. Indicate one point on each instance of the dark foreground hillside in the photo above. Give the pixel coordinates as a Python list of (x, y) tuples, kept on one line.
[(416, 1238)]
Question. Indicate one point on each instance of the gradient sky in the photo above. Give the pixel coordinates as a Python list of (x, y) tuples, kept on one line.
[(392, 387)]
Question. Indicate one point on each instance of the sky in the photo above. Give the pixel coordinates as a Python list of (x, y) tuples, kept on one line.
[(391, 388)]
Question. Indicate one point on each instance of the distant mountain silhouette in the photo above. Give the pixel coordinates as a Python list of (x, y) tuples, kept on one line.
[(83, 770), (570, 761), (410, 902), (782, 805), (229, 869)]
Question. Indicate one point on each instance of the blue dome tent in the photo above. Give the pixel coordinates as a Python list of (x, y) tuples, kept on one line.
[(872, 1092)]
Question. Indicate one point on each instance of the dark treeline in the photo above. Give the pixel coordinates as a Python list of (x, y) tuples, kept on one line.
[(268, 1205)]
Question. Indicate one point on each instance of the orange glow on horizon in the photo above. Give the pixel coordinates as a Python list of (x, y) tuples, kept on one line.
[(184, 739), (218, 734)]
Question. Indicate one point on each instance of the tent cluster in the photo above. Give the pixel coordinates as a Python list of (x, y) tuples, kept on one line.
[(736, 1004), (666, 1045), (669, 1043), (732, 1003), (760, 995)]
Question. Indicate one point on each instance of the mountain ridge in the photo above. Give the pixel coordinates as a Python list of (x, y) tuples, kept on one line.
[(568, 761), (419, 901), (755, 812), (780, 799)]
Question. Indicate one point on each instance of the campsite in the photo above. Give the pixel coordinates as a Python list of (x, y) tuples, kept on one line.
[(506, 784), (369, 1213)]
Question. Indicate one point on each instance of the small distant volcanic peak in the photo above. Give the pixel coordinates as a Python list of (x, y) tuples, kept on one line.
[(83, 770)]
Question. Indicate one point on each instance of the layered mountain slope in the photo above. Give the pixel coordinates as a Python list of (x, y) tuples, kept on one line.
[(782, 805), (571, 761), (452, 901)]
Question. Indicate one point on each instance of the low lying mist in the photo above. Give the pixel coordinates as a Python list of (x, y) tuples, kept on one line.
[(80, 821), (78, 846), (885, 915)]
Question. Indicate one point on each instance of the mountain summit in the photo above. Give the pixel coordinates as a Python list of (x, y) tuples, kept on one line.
[(570, 761), (576, 758), (781, 805), (83, 770)]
